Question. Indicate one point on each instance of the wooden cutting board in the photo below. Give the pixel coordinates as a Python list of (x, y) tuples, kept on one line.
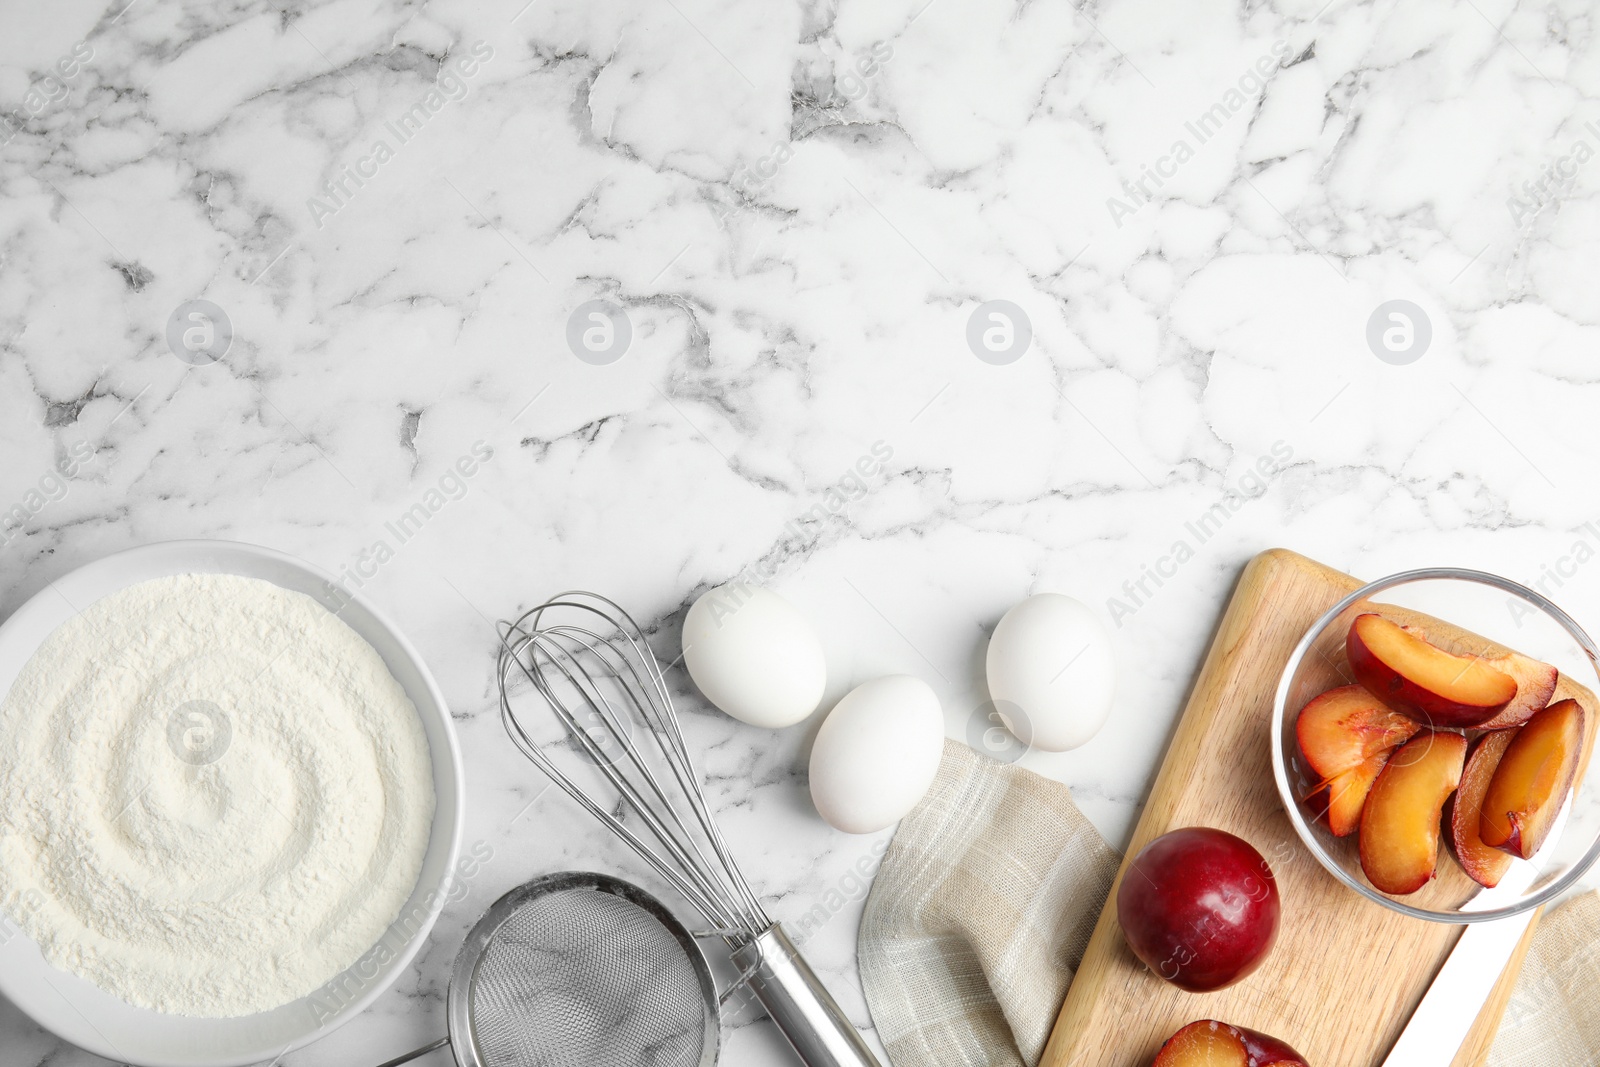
[(1345, 974)]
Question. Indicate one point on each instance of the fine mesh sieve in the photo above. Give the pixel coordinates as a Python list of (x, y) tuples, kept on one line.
[(579, 969)]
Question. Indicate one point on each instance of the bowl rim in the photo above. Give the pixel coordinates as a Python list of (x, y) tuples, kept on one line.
[(1280, 771), (237, 1041)]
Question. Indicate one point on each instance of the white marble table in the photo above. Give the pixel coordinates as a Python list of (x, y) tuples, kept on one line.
[(792, 216)]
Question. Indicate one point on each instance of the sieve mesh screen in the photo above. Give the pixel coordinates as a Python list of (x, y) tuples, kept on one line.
[(579, 977)]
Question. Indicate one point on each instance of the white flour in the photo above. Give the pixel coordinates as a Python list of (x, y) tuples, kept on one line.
[(213, 796)]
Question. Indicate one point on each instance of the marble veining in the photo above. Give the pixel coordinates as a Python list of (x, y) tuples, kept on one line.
[(666, 270)]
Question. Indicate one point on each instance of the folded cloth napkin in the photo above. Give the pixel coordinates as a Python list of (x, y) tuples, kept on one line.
[(986, 898), (979, 916), (1553, 1016)]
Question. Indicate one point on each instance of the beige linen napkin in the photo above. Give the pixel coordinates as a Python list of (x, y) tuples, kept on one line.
[(979, 916), (1553, 1016), (987, 896)]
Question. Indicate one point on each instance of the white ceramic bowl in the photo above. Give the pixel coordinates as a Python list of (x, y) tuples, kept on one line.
[(93, 1019)]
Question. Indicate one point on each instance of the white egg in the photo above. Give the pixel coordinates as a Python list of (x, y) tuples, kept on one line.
[(1051, 672), (876, 753), (754, 656)]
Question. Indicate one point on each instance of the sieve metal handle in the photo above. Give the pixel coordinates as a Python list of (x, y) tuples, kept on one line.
[(796, 1000), (416, 1054)]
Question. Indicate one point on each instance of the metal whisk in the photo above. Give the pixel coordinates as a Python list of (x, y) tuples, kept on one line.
[(590, 664)]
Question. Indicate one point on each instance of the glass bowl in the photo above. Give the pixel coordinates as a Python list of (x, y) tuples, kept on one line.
[(1479, 611)]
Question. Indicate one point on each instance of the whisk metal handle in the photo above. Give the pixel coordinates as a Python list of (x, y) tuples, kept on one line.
[(796, 1000)]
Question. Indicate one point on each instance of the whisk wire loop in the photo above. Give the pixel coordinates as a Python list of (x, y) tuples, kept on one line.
[(663, 721), (684, 849), (607, 675), (695, 890), (602, 681)]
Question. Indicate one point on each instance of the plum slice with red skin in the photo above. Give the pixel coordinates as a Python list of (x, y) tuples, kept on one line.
[(1531, 782), (1346, 736), (1210, 1043), (1418, 678)]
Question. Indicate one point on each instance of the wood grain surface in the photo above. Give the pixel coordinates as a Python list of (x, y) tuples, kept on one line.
[(1346, 974)]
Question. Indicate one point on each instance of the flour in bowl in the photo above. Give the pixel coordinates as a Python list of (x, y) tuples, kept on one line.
[(214, 797)]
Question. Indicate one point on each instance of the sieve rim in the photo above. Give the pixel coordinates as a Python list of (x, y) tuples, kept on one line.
[(463, 1037)]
